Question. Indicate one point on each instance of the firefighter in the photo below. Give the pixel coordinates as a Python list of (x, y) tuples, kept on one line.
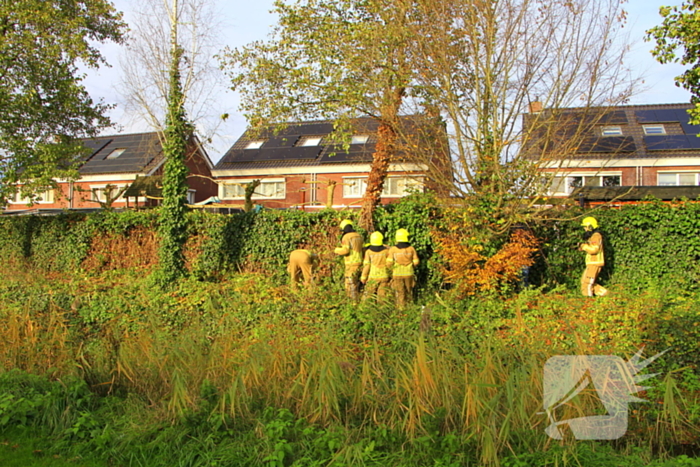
[(351, 249), (401, 261), (375, 274), (301, 263), (595, 259)]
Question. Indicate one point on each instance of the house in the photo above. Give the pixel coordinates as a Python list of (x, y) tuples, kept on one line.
[(301, 167), (628, 153), (122, 171)]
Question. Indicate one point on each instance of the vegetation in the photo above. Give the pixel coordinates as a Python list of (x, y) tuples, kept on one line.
[(680, 29), (178, 131), (232, 367), (45, 108)]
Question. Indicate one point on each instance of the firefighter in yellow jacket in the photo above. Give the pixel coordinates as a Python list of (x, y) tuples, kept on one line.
[(595, 259), (401, 261), (375, 274), (351, 249), (301, 263)]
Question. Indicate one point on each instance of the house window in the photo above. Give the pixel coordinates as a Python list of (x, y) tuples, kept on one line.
[(255, 144), (268, 189), (359, 139), (309, 141), (354, 187), (654, 129), (611, 131), (45, 197), (567, 184), (401, 186), (678, 179), (116, 153), (100, 193)]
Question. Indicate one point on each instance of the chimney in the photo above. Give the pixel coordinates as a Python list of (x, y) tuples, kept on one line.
[(535, 107)]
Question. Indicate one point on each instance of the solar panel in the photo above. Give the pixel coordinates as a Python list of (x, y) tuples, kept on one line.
[(655, 142), (609, 144), (646, 116), (667, 115), (356, 153), (272, 154), (617, 117)]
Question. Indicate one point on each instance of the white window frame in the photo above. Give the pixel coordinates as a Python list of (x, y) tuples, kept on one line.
[(256, 144), (47, 197), (677, 174), (614, 130), (568, 180), (654, 129), (116, 153), (99, 196), (309, 141), (359, 139), (355, 187), (407, 182), (239, 186)]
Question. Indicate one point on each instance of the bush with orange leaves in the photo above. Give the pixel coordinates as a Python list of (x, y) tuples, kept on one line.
[(470, 271)]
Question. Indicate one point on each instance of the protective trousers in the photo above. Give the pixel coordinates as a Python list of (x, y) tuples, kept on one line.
[(403, 289), (376, 286), (588, 286), (352, 281), (300, 264)]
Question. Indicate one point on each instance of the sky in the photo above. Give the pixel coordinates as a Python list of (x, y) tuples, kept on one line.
[(243, 22)]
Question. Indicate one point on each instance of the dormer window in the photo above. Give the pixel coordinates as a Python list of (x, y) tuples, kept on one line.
[(116, 153), (654, 129), (611, 131), (257, 144), (359, 139), (309, 141)]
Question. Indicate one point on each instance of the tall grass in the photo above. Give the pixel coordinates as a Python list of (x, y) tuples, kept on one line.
[(473, 375)]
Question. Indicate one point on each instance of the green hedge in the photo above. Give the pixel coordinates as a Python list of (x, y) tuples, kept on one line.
[(653, 244)]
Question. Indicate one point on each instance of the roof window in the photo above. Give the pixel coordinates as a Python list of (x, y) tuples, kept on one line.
[(611, 131), (116, 153), (309, 141), (255, 144), (654, 129), (359, 139)]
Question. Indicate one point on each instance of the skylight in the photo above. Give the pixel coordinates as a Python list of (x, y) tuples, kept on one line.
[(359, 139), (255, 144), (116, 153)]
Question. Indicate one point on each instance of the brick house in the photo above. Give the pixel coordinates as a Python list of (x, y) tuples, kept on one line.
[(631, 152), (299, 167), (115, 163)]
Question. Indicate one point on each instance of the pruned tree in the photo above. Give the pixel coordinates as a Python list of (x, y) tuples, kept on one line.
[(335, 60), (45, 107), (680, 31)]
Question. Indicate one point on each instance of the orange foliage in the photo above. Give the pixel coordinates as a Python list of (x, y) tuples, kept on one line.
[(472, 272)]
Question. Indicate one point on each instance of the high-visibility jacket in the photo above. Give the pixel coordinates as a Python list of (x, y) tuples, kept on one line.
[(350, 248), (594, 250), (401, 261), (375, 265)]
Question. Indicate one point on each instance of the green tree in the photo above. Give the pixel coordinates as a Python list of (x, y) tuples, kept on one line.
[(43, 105), (335, 60), (680, 29), (172, 224)]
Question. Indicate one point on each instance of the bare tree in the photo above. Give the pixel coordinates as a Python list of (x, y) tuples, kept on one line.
[(484, 64), (148, 56)]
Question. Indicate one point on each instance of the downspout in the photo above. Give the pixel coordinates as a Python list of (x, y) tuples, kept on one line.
[(70, 195)]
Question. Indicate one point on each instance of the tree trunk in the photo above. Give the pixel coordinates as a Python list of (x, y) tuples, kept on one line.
[(383, 154)]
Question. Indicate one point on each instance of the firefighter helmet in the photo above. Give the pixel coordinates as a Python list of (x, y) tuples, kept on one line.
[(402, 235), (376, 239), (589, 222)]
